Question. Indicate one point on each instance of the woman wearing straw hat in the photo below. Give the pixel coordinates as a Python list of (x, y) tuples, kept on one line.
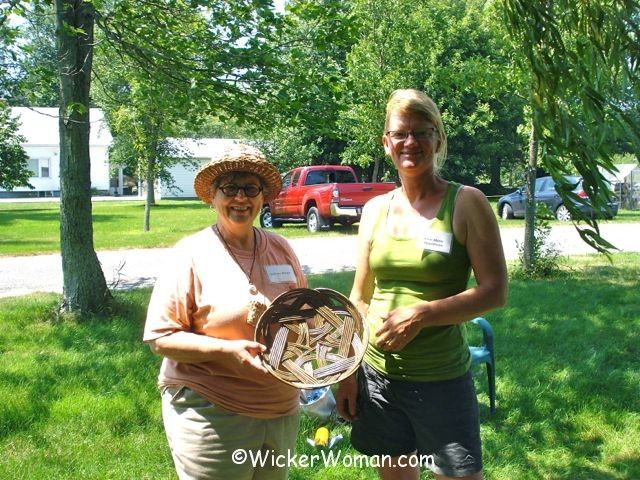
[(220, 406)]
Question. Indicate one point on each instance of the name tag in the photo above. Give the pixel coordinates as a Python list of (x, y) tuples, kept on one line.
[(436, 241), (280, 274)]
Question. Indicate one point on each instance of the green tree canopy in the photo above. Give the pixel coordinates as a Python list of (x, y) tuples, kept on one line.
[(225, 58), (35, 82), (451, 50), (298, 124)]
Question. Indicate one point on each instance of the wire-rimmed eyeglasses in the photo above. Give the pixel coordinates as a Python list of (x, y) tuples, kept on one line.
[(399, 135)]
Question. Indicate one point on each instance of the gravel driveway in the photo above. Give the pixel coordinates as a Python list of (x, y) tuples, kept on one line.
[(136, 268)]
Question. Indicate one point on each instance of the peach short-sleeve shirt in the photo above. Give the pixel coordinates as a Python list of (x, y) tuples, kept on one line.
[(204, 291)]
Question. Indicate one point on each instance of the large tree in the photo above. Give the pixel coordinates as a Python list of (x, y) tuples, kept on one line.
[(216, 62), (373, 67), (35, 81), (84, 286), (582, 63), (225, 61), (299, 123), (8, 51), (142, 119)]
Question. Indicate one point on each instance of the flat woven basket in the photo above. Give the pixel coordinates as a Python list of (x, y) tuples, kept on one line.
[(314, 338)]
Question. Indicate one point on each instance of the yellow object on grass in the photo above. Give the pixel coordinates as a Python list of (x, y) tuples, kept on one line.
[(321, 437)]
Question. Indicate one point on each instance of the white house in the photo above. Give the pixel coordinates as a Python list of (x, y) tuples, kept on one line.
[(201, 151), (40, 128)]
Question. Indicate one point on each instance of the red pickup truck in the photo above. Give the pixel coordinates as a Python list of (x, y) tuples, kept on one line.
[(320, 195)]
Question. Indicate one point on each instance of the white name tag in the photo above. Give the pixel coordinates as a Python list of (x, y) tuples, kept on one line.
[(436, 241), (280, 273)]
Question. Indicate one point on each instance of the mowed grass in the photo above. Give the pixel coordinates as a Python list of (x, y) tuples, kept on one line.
[(79, 399), (33, 228), (623, 216)]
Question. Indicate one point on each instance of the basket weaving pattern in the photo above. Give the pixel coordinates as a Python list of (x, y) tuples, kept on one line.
[(314, 338)]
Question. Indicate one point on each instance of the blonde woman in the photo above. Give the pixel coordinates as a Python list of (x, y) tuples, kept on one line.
[(414, 394)]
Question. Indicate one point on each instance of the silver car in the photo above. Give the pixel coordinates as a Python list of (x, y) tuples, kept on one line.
[(512, 204)]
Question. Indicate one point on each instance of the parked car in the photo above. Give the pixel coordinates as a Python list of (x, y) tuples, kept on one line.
[(320, 195), (512, 204)]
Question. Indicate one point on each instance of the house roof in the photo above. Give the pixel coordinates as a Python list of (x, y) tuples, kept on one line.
[(40, 126), (202, 147), (622, 171)]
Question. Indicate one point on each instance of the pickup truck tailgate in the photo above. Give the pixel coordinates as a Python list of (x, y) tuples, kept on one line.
[(357, 194)]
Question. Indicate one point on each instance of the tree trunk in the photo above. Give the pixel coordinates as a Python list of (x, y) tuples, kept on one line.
[(495, 168), (530, 203), (85, 289), (151, 198), (376, 169)]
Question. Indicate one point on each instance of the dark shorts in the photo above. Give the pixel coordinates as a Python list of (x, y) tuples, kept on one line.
[(438, 419)]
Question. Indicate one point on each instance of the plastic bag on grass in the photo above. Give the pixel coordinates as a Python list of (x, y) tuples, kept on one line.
[(318, 402)]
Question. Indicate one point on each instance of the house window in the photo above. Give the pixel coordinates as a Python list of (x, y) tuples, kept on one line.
[(39, 167), (32, 165), (44, 167)]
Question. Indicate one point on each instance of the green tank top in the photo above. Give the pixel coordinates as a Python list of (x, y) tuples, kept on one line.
[(407, 272)]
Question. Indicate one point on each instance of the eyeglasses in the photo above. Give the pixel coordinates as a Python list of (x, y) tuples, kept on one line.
[(231, 190), (399, 135)]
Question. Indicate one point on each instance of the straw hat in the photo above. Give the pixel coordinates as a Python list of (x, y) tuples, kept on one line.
[(238, 158)]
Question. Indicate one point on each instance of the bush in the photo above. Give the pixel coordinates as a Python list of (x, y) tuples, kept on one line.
[(545, 254)]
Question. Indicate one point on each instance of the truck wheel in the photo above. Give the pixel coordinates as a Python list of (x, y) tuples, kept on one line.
[(267, 221), (315, 222)]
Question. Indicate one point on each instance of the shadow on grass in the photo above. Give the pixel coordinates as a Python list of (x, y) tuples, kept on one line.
[(9, 217), (567, 362), (91, 362), (567, 375)]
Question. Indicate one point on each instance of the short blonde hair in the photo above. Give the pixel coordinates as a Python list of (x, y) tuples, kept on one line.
[(411, 101)]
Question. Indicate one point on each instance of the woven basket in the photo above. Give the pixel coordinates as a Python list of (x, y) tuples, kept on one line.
[(314, 338)]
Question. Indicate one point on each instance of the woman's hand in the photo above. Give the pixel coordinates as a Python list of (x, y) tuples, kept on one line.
[(346, 397), (244, 354), (399, 327)]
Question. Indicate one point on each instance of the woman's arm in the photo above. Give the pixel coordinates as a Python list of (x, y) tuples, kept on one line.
[(476, 227), (170, 321), (187, 347), (361, 293), (363, 282)]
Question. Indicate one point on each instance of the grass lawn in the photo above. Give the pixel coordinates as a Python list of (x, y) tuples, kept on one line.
[(79, 399), (32, 228), (624, 216)]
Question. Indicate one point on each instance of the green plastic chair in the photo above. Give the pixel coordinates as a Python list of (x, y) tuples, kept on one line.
[(485, 354)]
